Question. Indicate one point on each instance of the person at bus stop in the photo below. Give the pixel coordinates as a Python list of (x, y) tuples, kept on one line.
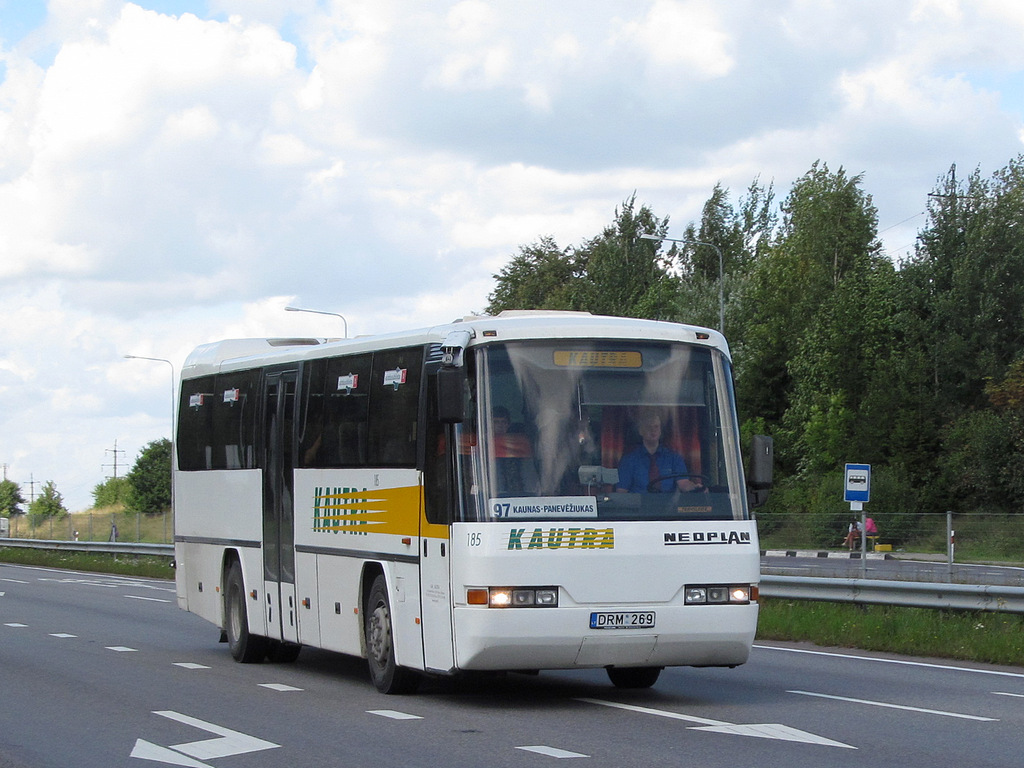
[(652, 467), (852, 535)]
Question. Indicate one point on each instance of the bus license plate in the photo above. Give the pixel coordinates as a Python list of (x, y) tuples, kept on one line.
[(622, 620)]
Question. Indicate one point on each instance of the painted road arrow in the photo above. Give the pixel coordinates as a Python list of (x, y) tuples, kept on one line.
[(761, 731), (190, 754)]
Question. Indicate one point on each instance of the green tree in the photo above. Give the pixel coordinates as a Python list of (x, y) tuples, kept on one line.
[(614, 273), (540, 276), (110, 492), (794, 339), (48, 504), (625, 275), (11, 500), (150, 479)]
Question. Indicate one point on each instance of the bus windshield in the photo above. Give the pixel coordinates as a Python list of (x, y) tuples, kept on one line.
[(616, 430)]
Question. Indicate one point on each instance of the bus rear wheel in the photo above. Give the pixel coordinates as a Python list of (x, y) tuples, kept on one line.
[(378, 631), (633, 677), (245, 647)]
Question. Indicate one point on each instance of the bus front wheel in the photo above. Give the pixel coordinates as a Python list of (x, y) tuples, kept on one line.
[(633, 677), (245, 647), (378, 630)]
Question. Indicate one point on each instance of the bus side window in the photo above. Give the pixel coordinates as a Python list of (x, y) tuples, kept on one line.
[(234, 420), (195, 424), (394, 407)]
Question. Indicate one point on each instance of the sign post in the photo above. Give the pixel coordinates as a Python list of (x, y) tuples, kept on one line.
[(857, 491)]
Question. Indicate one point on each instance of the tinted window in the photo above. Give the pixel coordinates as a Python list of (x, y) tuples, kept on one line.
[(394, 407)]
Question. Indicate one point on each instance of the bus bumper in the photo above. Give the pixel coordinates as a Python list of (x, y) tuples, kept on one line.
[(561, 638)]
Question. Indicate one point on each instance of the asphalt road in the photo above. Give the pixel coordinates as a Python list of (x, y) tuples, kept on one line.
[(106, 671)]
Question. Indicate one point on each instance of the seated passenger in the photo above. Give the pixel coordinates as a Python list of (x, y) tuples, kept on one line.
[(652, 461), (513, 454)]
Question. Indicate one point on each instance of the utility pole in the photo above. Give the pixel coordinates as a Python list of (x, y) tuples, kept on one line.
[(114, 451), (32, 488)]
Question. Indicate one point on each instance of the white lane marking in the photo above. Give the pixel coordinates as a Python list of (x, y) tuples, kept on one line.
[(775, 731), (551, 752), (15, 624), (147, 750), (122, 649), (62, 635), (150, 599), (90, 582), (15, 581), (927, 665), (279, 687), (393, 714), (657, 712), (757, 730), (190, 665), (1015, 695), (887, 705), (229, 742)]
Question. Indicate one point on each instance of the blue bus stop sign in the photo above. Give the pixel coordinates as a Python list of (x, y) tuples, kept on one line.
[(858, 483)]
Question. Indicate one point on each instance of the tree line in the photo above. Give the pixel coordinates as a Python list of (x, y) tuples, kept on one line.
[(840, 353), (146, 489)]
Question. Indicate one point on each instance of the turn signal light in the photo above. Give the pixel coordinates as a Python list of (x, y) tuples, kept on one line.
[(513, 597)]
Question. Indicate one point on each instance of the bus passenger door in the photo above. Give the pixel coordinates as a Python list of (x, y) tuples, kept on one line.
[(436, 601), (436, 547), (279, 600)]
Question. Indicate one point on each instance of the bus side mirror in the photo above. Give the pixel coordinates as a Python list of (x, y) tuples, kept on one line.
[(759, 479), (451, 395)]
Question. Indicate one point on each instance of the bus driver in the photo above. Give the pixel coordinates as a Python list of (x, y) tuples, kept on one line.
[(651, 461)]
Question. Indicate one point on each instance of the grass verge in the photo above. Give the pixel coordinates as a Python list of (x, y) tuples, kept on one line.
[(151, 566), (993, 638)]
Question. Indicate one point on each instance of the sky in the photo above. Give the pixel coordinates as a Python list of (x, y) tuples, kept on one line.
[(174, 172)]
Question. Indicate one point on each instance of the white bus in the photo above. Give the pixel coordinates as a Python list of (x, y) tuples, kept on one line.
[(474, 496)]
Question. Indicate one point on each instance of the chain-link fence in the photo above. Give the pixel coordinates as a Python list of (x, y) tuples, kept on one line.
[(96, 526), (977, 537)]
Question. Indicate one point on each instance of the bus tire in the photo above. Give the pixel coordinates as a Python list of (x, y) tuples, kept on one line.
[(245, 647), (633, 677), (378, 632)]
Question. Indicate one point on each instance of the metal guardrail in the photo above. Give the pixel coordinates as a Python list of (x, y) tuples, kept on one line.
[(109, 547), (914, 594)]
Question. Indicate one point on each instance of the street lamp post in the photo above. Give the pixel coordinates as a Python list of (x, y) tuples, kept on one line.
[(320, 312), (721, 272), (174, 401)]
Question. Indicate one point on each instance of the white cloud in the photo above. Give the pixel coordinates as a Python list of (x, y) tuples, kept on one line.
[(168, 180), (686, 34)]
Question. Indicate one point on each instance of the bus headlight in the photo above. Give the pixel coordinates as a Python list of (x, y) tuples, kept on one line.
[(719, 594), (513, 597)]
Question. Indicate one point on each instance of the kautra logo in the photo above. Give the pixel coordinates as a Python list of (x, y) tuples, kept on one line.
[(333, 511), (562, 538)]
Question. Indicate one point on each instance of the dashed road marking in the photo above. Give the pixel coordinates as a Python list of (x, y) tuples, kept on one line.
[(551, 752), (190, 665), (888, 705), (122, 649), (393, 714), (61, 635), (279, 687)]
